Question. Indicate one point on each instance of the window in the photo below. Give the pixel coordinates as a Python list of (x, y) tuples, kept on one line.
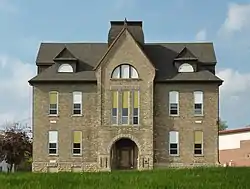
[(77, 143), (53, 104), (174, 143), (198, 103), (198, 142), (53, 142), (114, 111), (77, 103), (136, 107), (65, 68), (125, 104), (173, 103), (125, 71), (186, 68)]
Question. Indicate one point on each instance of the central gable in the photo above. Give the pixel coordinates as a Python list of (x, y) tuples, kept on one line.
[(125, 50)]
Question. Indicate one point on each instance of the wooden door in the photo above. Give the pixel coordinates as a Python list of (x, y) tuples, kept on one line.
[(124, 158)]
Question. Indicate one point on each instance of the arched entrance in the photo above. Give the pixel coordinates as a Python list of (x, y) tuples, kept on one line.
[(124, 154)]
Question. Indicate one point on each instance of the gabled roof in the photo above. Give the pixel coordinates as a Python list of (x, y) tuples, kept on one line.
[(186, 54), (65, 54), (90, 55), (51, 75), (124, 29)]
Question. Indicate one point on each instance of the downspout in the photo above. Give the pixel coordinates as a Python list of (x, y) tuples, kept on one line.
[(218, 125)]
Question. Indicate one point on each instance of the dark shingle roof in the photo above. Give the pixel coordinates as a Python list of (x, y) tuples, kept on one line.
[(162, 56)]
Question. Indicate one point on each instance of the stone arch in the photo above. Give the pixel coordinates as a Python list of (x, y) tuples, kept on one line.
[(120, 136)]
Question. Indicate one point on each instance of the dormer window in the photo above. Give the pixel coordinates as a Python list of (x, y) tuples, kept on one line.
[(66, 68), (186, 68), (124, 71)]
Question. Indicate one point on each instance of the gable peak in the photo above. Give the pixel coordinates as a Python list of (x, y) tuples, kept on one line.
[(186, 54), (65, 54)]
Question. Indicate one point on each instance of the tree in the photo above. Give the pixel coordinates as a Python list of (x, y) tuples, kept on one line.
[(222, 125), (15, 146)]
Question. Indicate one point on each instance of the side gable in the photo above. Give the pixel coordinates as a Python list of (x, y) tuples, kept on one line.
[(186, 54), (114, 45)]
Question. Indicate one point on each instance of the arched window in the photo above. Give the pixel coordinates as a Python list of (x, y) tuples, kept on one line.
[(65, 68), (186, 68), (124, 71)]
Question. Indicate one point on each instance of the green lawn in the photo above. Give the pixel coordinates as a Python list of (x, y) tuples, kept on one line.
[(200, 178)]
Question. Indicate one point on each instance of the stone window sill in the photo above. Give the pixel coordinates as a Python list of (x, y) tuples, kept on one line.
[(196, 155), (125, 79), (76, 115), (53, 155), (53, 115)]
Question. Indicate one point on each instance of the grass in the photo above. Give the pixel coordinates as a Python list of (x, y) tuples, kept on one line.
[(197, 178)]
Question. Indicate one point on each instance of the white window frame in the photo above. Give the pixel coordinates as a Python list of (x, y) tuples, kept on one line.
[(77, 101), (171, 102), (65, 68), (185, 68), (57, 105), (131, 73), (80, 148), (198, 100), (174, 139), (202, 144), (53, 139)]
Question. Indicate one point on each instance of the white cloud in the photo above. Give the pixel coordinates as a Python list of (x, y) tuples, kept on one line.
[(237, 18), (235, 82), (234, 97), (15, 92), (7, 6), (201, 35)]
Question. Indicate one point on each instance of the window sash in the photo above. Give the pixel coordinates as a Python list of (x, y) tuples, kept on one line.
[(198, 109), (173, 142), (77, 149), (198, 142), (53, 103), (77, 143), (77, 103), (135, 110), (174, 137), (198, 149), (173, 148), (133, 72), (174, 97), (125, 107), (77, 97), (53, 142), (198, 97), (174, 109), (114, 110), (125, 71)]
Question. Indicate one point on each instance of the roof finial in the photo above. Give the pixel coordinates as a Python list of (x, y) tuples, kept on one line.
[(125, 22)]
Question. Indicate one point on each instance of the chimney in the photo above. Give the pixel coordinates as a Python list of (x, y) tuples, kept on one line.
[(134, 27)]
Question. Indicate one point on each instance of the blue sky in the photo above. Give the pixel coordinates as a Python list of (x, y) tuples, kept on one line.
[(25, 24)]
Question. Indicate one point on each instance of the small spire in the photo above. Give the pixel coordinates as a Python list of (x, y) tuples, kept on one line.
[(125, 22)]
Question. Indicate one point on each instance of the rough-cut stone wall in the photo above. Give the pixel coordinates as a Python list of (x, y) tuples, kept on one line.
[(186, 123), (127, 52), (65, 125)]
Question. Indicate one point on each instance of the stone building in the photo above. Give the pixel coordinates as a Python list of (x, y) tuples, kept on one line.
[(124, 104)]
